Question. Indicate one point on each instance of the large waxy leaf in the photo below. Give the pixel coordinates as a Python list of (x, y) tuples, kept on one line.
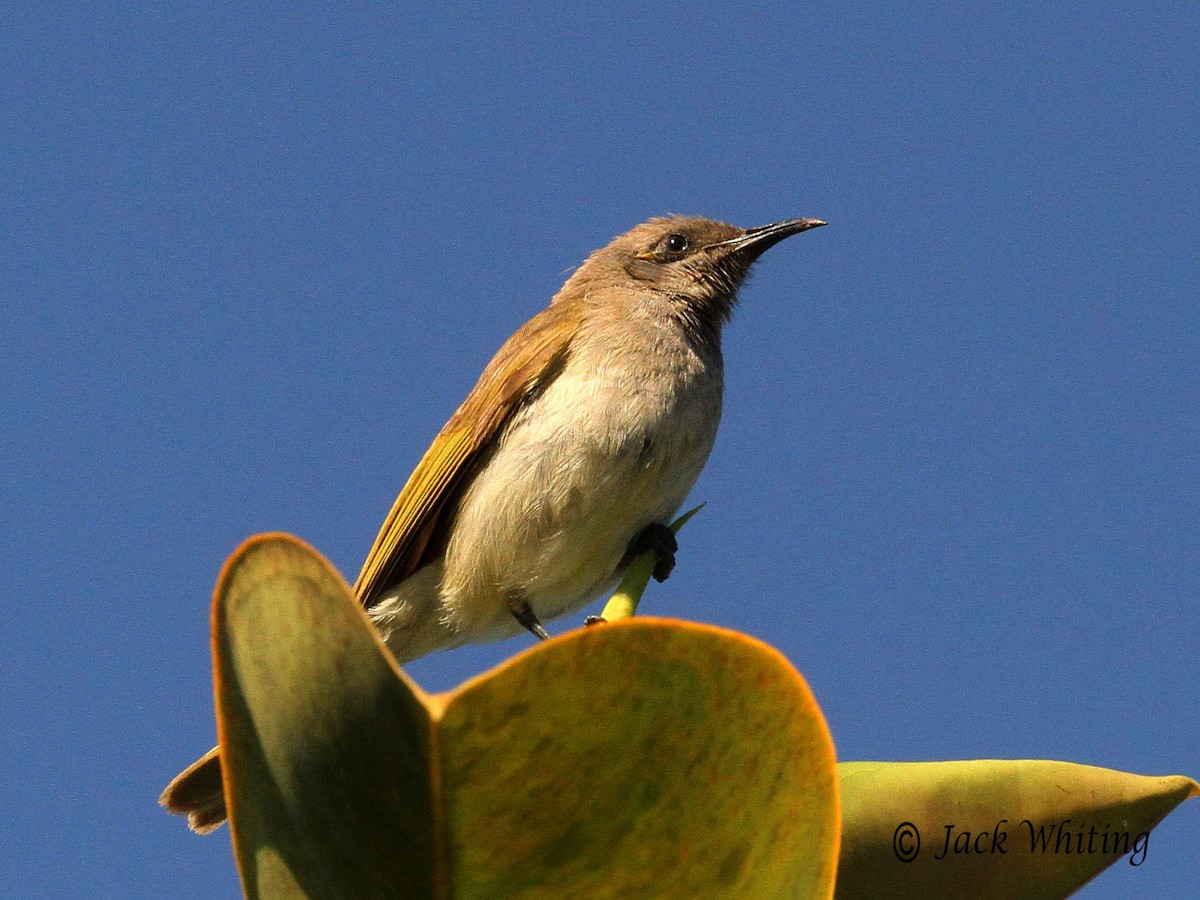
[(639, 758), (644, 758), (324, 743), (1062, 823)]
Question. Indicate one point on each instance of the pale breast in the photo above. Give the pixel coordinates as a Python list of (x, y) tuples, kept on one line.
[(607, 449)]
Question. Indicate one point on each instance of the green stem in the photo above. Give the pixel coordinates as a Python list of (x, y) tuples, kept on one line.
[(624, 601)]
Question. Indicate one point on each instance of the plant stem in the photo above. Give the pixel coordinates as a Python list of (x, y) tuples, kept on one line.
[(624, 601)]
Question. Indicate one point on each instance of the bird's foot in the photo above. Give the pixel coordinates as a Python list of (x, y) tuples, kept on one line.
[(524, 614), (661, 539)]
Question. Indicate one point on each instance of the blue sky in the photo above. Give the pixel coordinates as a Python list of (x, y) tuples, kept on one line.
[(254, 257)]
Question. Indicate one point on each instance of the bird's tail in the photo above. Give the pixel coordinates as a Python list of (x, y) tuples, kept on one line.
[(198, 793)]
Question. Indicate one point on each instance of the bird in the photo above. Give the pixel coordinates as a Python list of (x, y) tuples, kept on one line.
[(580, 440)]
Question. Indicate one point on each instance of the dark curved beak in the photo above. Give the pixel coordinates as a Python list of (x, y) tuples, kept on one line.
[(758, 240)]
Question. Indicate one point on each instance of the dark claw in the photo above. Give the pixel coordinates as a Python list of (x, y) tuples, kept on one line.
[(594, 620), (528, 620), (661, 540)]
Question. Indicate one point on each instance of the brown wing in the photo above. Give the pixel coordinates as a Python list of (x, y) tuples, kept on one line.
[(528, 361)]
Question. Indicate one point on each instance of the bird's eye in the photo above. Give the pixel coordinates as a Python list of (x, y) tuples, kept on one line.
[(675, 243)]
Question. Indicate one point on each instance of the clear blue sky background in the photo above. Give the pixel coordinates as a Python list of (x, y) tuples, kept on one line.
[(252, 258)]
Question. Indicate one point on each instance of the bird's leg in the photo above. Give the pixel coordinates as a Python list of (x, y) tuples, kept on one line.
[(519, 606), (661, 539)]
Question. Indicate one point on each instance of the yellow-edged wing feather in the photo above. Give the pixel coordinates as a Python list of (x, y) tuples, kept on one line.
[(528, 361)]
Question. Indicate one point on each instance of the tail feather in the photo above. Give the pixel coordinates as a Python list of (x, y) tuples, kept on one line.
[(198, 793)]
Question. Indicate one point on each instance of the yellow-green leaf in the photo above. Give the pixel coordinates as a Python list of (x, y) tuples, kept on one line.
[(325, 745), (644, 758), (1028, 828), (639, 758)]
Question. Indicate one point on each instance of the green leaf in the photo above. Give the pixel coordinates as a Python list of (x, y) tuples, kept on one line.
[(324, 743), (640, 757), (1045, 809)]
